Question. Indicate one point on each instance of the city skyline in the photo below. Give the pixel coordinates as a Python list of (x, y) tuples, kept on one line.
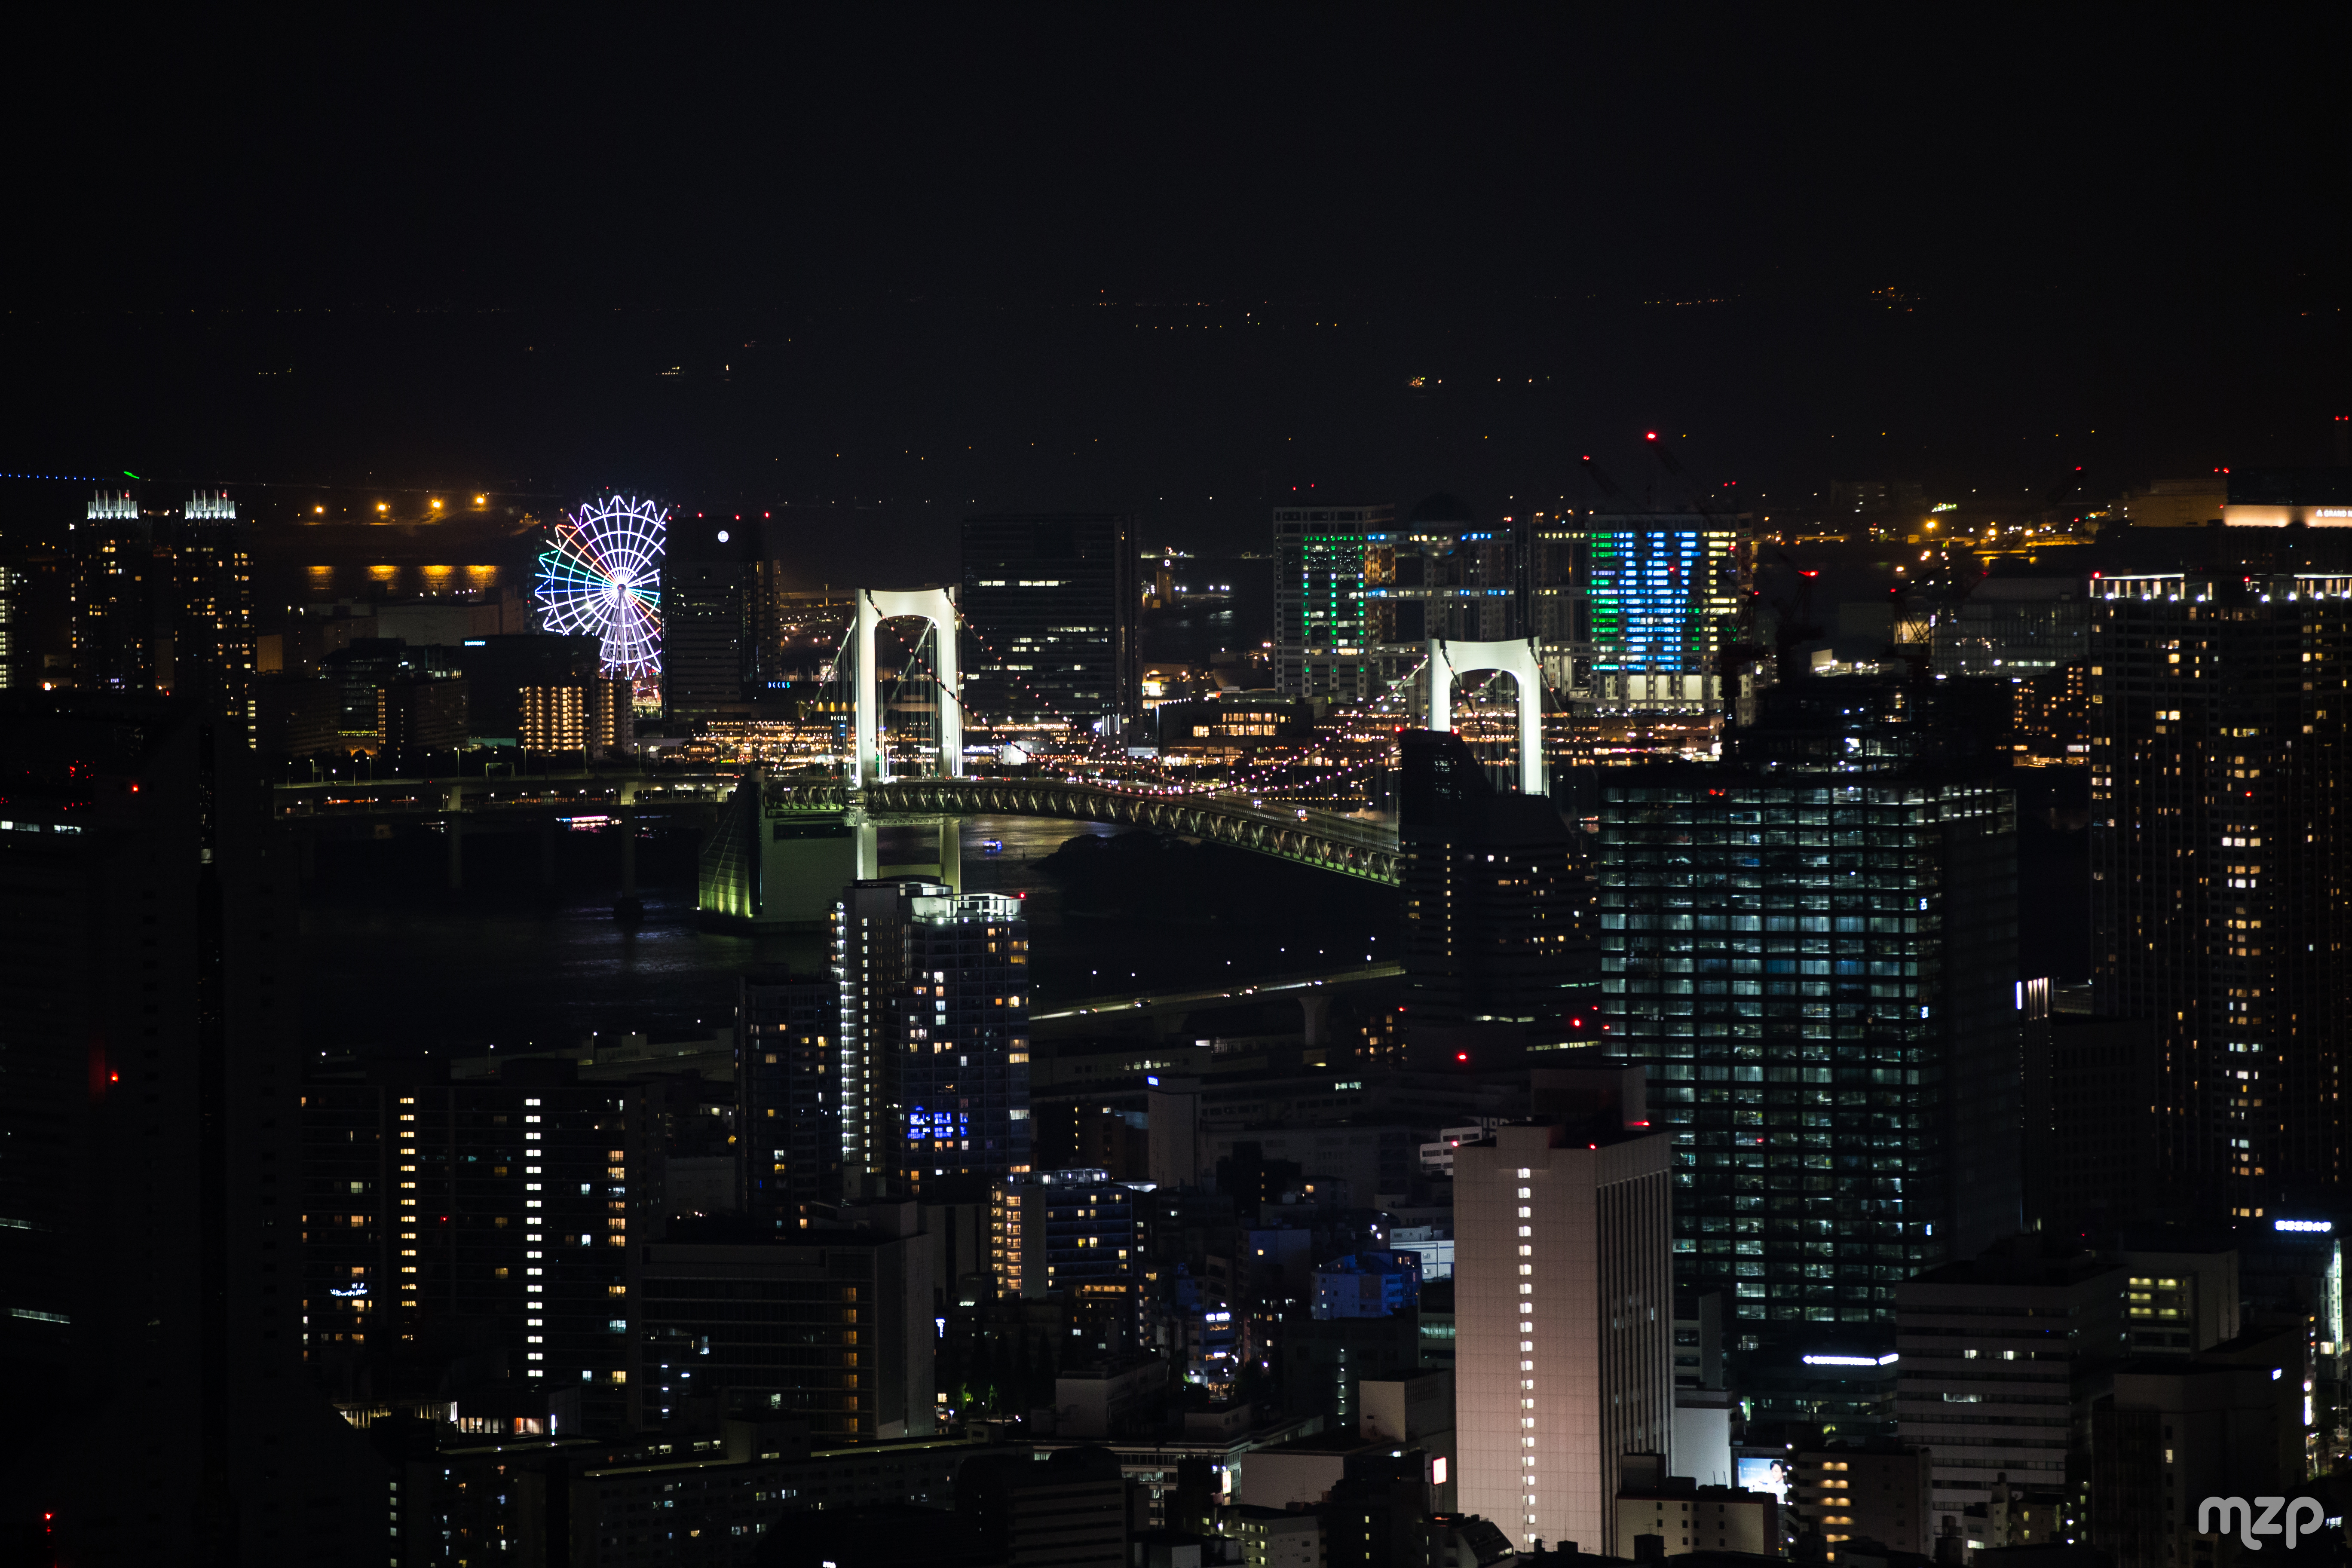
[(1169, 789)]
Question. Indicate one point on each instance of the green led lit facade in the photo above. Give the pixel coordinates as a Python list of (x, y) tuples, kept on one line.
[(1321, 647)]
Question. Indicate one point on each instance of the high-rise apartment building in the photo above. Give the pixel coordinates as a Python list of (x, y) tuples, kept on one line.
[(1636, 610), (2218, 871), (1050, 603), (1819, 972), (163, 602), (1321, 628), (934, 1041), (119, 597), (788, 1084), (19, 666), (554, 718), (1863, 1491), (506, 1209), (964, 1031), (152, 1254), (419, 711), (1563, 1310), (211, 634), (586, 717), (1051, 1229), (1072, 1234)]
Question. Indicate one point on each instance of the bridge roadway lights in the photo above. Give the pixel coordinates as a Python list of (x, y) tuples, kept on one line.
[(1320, 840)]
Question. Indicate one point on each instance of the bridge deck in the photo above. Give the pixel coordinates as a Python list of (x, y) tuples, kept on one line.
[(1323, 839)]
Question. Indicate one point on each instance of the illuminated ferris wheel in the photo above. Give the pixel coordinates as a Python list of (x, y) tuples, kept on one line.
[(601, 578)]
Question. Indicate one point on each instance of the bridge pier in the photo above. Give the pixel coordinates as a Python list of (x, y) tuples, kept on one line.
[(1317, 1006), (628, 909), (454, 828)]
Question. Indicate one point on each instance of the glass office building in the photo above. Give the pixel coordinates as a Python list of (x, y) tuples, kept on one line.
[(1641, 605), (1321, 634), (1818, 971)]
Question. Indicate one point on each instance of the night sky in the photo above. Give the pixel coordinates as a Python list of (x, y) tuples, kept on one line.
[(1180, 260)]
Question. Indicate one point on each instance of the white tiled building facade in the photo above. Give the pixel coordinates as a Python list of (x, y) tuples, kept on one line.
[(1564, 1307)]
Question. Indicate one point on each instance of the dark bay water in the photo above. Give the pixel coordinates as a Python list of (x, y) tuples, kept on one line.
[(393, 962)]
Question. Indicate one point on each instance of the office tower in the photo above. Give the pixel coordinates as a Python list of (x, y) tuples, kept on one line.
[(1050, 603), (788, 1082), (1821, 971), (832, 1324), (2177, 1301), (706, 634), (1497, 908), (1441, 574), (1642, 606), (1322, 631), (1999, 1356), (2014, 625), (1073, 1508), (437, 1210), (2087, 1163), (934, 1032), (1072, 1234), (150, 1268), (1559, 610), (1564, 1321), (2219, 874)]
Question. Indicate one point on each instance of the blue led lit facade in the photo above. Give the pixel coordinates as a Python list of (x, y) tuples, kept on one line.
[(1644, 604)]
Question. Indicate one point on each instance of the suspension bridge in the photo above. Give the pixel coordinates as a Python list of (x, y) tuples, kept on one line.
[(786, 843), (778, 845)]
